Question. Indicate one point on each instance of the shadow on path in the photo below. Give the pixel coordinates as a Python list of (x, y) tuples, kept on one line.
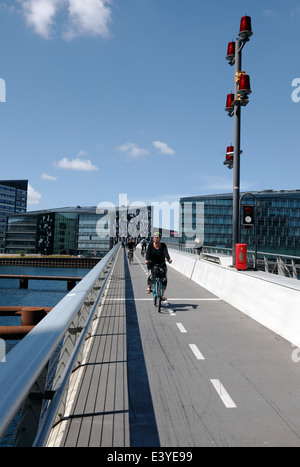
[(142, 423)]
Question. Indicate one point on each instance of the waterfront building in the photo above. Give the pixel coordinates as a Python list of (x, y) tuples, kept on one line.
[(209, 218), (13, 199), (77, 230)]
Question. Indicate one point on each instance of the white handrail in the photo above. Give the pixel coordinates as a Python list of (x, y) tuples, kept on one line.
[(27, 360)]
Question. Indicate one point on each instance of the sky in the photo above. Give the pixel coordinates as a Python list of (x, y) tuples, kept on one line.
[(107, 98)]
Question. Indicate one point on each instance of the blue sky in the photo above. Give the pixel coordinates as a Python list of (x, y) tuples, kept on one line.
[(127, 97)]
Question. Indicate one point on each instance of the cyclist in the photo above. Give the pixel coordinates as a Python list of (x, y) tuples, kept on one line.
[(130, 246), (157, 253), (144, 246)]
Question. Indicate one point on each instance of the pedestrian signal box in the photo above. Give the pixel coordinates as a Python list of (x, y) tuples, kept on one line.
[(241, 256)]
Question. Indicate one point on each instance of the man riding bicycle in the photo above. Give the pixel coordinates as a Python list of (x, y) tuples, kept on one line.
[(144, 246), (130, 246), (157, 254)]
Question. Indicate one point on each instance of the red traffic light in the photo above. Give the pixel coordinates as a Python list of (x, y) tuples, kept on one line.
[(244, 84), (245, 28), (230, 51), (229, 157), (229, 152), (229, 104), (248, 215)]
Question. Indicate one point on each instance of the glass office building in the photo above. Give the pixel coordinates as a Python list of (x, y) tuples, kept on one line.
[(92, 235), (76, 231), (209, 218), (56, 231), (21, 233), (13, 199)]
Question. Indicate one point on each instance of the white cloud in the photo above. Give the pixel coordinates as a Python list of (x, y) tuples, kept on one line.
[(5, 7), (45, 176), (269, 13), (40, 14), (132, 150), (82, 153), (83, 165), (163, 148), (85, 17), (33, 197), (88, 17)]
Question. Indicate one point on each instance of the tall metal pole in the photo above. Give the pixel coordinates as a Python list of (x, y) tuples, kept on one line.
[(255, 226), (236, 156)]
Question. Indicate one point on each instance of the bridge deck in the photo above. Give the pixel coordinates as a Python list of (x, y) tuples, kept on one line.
[(198, 374)]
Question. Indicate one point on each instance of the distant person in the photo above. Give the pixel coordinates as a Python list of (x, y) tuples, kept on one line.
[(130, 246), (144, 246), (198, 246), (157, 253)]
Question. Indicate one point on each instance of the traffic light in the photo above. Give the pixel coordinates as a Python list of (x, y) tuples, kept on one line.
[(248, 215)]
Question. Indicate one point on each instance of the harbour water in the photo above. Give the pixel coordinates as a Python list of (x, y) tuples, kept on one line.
[(39, 293)]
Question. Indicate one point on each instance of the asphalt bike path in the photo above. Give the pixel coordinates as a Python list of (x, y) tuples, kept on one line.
[(217, 377)]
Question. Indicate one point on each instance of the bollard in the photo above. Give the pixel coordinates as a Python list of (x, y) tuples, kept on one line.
[(32, 316), (71, 284), (23, 283)]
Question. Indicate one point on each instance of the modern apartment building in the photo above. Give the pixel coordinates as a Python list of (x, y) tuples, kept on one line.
[(13, 199), (209, 218)]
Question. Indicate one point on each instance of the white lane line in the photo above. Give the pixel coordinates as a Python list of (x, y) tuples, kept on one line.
[(169, 299), (126, 299), (196, 352), (181, 327), (228, 402), (196, 299)]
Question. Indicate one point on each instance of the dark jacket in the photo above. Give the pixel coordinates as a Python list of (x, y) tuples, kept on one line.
[(157, 256)]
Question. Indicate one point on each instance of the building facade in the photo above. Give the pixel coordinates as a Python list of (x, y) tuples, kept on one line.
[(93, 231), (209, 218), (13, 199), (75, 231)]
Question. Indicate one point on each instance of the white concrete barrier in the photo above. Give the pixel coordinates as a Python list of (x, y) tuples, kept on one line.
[(271, 300), (183, 262)]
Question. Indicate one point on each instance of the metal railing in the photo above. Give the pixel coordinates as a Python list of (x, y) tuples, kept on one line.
[(35, 376), (274, 263), (283, 265)]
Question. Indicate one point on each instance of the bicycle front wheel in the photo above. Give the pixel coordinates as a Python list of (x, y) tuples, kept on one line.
[(154, 290), (159, 294)]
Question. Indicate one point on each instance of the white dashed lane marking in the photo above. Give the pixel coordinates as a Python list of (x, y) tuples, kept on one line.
[(181, 328), (225, 397), (221, 391), (196, 352)]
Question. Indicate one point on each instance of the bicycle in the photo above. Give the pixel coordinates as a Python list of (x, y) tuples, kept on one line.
[(159, 273)]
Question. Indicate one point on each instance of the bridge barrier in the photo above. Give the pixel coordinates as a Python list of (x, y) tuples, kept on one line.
[(271, 300), (58, 339)]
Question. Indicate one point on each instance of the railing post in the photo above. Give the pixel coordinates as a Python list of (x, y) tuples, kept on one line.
[(280, 266), (31, 413), (294, 269)]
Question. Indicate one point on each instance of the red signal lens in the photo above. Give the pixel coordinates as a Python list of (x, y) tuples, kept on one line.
[(245, 27), (230, 51)]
